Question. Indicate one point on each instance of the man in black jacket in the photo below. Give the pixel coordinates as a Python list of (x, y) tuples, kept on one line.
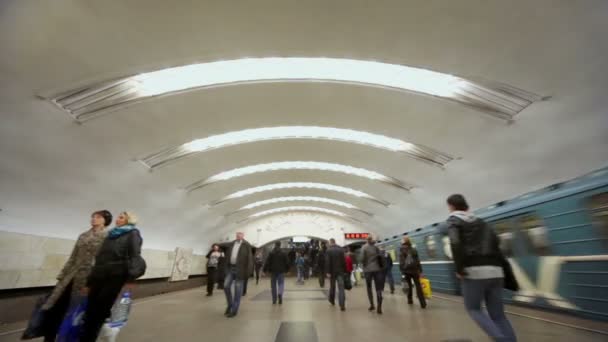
[(478, 261), (411, 269), (277, 264), (239, 265), (335, 266)]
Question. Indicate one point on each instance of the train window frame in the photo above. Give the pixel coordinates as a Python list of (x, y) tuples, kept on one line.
[(511, 229), (594, 205), (534, 225), (435, 254)]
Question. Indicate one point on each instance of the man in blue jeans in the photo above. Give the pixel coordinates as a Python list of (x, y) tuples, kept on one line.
[(277, 264), (478, 261), (335, 266), (239, 266)]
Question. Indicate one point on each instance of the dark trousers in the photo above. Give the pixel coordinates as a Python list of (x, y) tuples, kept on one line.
[(378, 280), (494, 323), (211, 273), (416, 279), (339, 280), (56, 314), (391, 280), (102, 295), (258, 268), (321, 279), (277, 286)]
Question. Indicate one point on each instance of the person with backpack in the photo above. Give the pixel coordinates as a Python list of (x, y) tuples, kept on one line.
[(480, 267), (335, 266), (411, 269), (388, 269), (259, 262), (320, 267), (373, 268)]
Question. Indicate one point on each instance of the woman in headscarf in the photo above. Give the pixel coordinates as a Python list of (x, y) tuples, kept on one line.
[(117, 264), (73, 277)]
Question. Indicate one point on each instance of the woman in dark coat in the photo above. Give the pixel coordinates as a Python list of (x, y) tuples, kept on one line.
[(410, 266), (73, 277), (118, 263)]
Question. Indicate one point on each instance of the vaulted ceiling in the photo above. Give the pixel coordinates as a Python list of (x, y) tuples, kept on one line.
[(490, 99)]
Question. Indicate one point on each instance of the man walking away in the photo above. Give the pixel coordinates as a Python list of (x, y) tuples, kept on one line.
[(300, 269), (321, 265), (277, 264), (478, 261), (411, 269), (259, 262), (238, 268), (335, 266), (388, 269), (373, 269)]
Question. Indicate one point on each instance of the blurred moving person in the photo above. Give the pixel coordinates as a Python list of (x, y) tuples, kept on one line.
[(277, 264), (411, 269), (373, 268), (213, 262), (478, 261), (388, 269), (348, 258), (73, 277), (335, 266), (239, 266), (117, 264), (300, 262), (259, 262), (320, 267)]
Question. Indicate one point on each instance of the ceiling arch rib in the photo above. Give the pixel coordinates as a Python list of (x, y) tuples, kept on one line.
[(299, 185), (175, 153), (498, 99), (299, 165), (299, 209), (323, 200)]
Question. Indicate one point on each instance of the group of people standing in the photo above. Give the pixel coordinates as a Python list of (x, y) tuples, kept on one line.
[(102, 263)]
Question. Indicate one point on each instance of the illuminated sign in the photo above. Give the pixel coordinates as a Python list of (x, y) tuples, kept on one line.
[(355, 236)]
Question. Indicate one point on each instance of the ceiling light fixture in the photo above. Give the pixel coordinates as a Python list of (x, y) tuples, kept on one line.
[(299, 209), (416, 151), (301, 199), (300, 185), (501, 100), (299, 165)]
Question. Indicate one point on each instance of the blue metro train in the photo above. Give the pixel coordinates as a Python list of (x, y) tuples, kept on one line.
[(556, 239)]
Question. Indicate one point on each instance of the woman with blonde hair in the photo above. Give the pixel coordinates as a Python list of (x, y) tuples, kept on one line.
[(118, 262)]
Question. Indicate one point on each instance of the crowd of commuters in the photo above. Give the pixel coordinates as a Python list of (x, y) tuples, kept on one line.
[(106, 261), (477, 257), (103, 262)]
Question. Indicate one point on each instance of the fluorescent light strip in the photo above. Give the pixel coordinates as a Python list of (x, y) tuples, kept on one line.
[(419, 152), (300, 185), (299, 209), (299, 165), (301, 199), (498, 99)]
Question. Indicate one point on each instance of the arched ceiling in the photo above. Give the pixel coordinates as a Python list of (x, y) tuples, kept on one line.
[(54, 170)]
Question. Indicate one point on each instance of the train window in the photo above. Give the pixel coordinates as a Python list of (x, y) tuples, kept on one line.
[(535, 233), (504, 230), (431, 246), (447, 247), (598, 204)]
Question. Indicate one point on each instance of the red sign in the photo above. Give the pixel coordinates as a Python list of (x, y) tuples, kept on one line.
[(355, 236)]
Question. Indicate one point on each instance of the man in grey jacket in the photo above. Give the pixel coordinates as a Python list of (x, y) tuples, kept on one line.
[(239, 265), (373, 269)]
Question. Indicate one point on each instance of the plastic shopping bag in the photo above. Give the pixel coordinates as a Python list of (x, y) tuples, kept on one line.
[(426, 288), (71, 327), (35, 326)]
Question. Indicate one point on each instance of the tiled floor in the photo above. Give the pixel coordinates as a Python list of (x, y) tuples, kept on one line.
[(305, 316)]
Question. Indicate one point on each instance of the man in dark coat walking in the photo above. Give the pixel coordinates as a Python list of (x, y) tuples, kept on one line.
[(239, 265)]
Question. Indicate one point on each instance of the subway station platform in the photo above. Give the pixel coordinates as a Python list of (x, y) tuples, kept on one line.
[(307, 316)]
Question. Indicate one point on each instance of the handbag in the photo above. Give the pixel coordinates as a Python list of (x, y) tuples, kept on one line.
[(509, 282), (136, 266), (36, 324), (348, 285)]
